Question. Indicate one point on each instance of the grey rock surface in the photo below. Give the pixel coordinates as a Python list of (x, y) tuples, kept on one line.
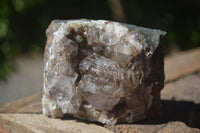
[(102, 71)]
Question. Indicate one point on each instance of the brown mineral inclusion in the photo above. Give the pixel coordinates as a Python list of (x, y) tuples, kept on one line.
[(103, 71)]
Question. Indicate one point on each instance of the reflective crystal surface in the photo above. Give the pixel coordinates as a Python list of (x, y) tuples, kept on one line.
[(102, 71)]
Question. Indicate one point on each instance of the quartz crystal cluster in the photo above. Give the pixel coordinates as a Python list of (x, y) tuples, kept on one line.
[(103, 71)]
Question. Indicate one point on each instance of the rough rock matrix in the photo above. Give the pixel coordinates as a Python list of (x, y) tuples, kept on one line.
[(102, 71)]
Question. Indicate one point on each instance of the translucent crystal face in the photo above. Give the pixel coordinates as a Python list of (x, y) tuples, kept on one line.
[(102, 56), (100, 83), (93, 67)]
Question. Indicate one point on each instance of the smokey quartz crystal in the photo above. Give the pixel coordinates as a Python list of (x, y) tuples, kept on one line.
[(103, 71)]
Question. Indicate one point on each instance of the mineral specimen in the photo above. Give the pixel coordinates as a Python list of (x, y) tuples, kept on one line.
[(102, 71)]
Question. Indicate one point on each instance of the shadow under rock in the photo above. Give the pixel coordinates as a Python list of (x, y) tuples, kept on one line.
[(70, 117), (184, 111)]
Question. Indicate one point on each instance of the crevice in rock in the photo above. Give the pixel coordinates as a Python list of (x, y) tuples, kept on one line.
[(82, 44)]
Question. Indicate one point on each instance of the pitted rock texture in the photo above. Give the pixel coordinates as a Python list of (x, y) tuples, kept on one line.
[(102, 71)]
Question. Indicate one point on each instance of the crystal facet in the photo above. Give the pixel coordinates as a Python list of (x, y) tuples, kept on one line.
[(102, 71)]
